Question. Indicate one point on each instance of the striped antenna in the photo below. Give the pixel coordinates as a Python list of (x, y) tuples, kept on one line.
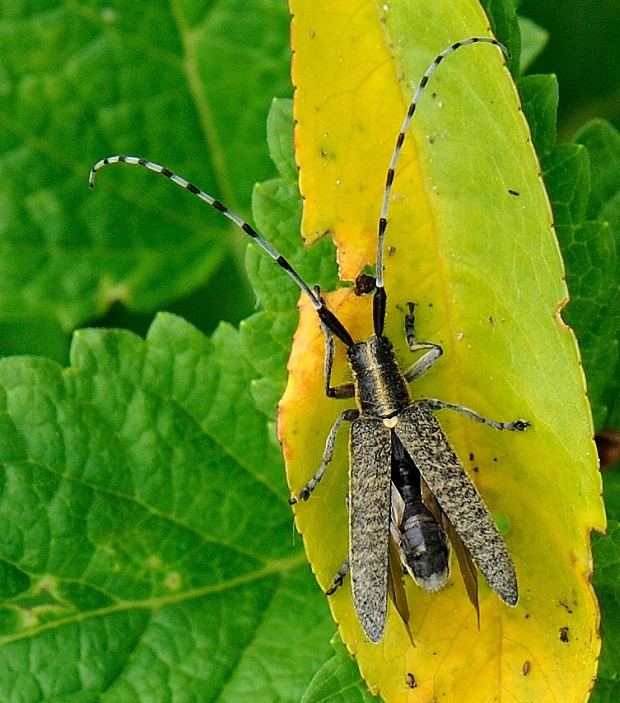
[(380, 297), (326, 316)]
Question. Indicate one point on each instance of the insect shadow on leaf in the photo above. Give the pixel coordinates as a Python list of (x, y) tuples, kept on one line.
[(404, 478)]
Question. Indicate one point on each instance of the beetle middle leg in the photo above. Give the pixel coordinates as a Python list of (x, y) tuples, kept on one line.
[(344, 390)]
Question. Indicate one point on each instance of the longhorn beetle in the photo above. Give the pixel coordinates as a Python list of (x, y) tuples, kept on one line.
[(388, 426)]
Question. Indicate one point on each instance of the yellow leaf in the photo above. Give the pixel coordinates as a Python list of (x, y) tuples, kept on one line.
[(483, 266)]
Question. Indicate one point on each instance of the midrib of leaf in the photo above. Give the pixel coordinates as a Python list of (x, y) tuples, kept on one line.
[(196, 90), (279, 566)]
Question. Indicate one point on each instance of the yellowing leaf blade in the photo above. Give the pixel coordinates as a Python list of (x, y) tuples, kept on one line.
[(470, 241)]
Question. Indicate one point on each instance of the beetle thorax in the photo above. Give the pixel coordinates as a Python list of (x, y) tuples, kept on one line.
[(380, 387)]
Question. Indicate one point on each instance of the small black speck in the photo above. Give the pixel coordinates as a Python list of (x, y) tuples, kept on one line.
[(513, 192), (411, 680), (564, 634), (525, 669), (471, 456)]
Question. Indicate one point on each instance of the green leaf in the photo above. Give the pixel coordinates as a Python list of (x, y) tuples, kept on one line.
[(337, 681), (539, 97), (144, 511), (607, 561), (37, 333), (592, 275), (603, 144), (277, 211), (567, 177), (83, 82), (533, 41), (583, 182), (280, 139), (601, 280)]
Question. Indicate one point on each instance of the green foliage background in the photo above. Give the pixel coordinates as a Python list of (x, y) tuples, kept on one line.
[(146, 547)]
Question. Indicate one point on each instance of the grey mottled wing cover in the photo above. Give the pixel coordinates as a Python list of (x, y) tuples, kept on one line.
[(422, 436), (369, 522)]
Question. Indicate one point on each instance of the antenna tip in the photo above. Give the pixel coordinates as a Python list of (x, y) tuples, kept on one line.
[(504, 49), (93, 172)]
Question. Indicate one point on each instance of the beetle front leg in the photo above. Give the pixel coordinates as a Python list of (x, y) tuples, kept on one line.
[(345, 390)]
